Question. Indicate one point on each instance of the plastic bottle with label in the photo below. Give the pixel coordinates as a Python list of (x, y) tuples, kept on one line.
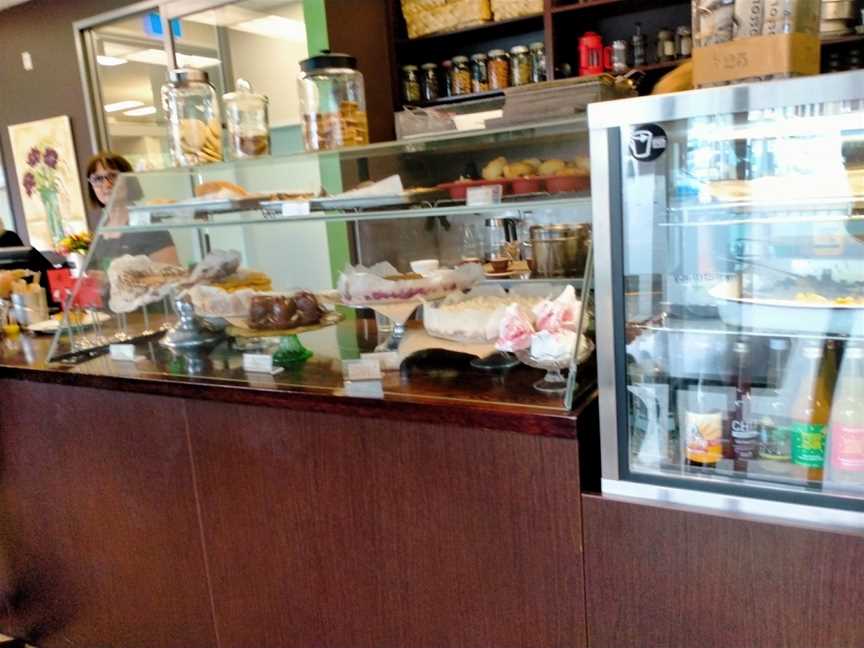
[(743, 434), (703, 426), (845, 454), (775, 450), (809, 414)]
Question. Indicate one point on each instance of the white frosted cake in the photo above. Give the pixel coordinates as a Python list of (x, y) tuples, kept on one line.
[(474, 318), (553, 348)]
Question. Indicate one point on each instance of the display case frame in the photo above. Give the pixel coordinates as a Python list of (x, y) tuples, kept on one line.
[(608, 123)]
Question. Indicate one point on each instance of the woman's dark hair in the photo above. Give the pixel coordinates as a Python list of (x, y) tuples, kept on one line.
[(113, 162)]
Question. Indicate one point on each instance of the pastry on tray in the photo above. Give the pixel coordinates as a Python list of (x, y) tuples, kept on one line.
[(284, 311), (137, 281), (383, 283), (220, 189)]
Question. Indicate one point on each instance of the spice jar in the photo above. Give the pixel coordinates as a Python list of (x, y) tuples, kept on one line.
[(332, 102), (479, 73), (683, 42), (665, 46), (429, 82), (538, 62), (520, 66), (248, 124), (461, 76), (498, 69), (447, 77), (410, 85), (192, 108)]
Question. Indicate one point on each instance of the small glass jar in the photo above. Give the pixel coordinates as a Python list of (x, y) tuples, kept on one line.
[(665, 46), (332, 102), (461, 76), (410, 84), (195, 126), (429, 82), (499, 70), (538, 62), (479, 73), (520, 66), (683, 42), (248, 122), (447, 77)]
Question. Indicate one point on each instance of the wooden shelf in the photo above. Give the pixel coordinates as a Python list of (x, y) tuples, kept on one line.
[(486, 31), (631, 5), (449, 101), (664, 65), (842, 40)]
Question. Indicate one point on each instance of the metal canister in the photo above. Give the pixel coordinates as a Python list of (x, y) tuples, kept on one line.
[(538, 62), (429, 82), (559, 250), (479, 73), (520, 66), (410, 84)]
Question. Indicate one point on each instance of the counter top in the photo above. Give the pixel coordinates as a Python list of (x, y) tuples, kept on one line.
[(433, 387)]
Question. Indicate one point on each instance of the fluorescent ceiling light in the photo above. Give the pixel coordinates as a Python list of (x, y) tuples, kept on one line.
[(122, 105), (195, 61), (141, 112), (274, 27), (110, 61), (223, 16), (157, 57)]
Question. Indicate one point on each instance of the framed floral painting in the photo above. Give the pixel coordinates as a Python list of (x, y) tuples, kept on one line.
[(47, 173)]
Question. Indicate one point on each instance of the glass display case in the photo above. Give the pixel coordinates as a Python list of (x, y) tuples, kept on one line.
[(729, 227), (450, 267)]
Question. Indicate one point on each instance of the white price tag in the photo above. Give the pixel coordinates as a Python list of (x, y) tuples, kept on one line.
[(122, 352), (364, 389), (387, 360), (361, 370), (139, 217), (295, 208), (259, 363), (482, 196)]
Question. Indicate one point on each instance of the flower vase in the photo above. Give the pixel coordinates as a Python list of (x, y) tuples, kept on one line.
[(75, 260), (51, 203)]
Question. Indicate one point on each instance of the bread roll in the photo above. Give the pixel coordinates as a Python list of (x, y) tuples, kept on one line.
[(495, 169), (551, 167), (517, 170), (220, 189)]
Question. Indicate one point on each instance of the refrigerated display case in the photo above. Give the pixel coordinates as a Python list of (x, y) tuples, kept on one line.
[(729, 240)]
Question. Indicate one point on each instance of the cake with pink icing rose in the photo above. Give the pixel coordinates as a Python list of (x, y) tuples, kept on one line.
[(560, 314), (515, 330)]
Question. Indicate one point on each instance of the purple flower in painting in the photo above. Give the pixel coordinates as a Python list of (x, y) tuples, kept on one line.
[(29, 183), (33, 156), (51, 157)]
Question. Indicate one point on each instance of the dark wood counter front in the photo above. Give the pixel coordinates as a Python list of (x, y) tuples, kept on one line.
[(154, 510)]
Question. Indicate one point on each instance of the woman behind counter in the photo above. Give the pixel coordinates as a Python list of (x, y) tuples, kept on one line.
[(102, 171)]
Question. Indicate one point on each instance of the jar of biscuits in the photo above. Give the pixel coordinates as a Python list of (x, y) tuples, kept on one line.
[(499, 70), (332, 102), (461, 76), (520, 66), (248, 124), (194, 123)]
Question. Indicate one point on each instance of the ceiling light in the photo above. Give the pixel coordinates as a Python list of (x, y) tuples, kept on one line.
[(195, 61), (274, 27), (110, 61), (122, 105), (158, 57), (141, 112)]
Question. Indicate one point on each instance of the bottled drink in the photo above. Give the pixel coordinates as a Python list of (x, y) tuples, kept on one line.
[(845, 469), (809, 414), (703, 426), (774, 434), (743, 433)]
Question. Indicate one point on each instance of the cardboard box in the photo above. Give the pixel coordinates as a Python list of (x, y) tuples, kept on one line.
[(759, 56)]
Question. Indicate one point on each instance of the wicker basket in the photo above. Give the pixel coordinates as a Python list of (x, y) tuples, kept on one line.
[(430, 16), (507, 9)]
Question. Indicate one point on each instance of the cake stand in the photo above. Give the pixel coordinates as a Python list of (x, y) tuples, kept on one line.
[(396, 312), (554, 381), (291, 350)]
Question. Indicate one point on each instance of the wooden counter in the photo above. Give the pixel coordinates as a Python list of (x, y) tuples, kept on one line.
[(141, 508)]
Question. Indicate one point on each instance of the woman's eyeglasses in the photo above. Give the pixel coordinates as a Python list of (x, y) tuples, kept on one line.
[(97, 179)]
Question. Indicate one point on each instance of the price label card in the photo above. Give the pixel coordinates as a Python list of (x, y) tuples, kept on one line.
[(387, 360), (482, 196), (361, 370), (259, 363), (364, 389), (138, 218), (295, 208), (122, 352)]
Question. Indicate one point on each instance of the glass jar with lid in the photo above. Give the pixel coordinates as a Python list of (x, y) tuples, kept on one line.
[(479, 73), (192, 108), (499, 70), (538, 62), (429, 90), (410, 84), (461, 76), (248, 123), (332, 102), (520, 66)]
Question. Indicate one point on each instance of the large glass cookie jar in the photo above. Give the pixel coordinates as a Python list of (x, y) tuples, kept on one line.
[(332, 102), (195, 127), (247, 120)]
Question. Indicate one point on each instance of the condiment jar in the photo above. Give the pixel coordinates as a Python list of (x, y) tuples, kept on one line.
[(248, 122), (665, 46), (429, 82), (520, 66), (460, 76), (499, 70), (538, 62), (410, 85), (479, 73), (447, 77), (194, 124), (332, 102)]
